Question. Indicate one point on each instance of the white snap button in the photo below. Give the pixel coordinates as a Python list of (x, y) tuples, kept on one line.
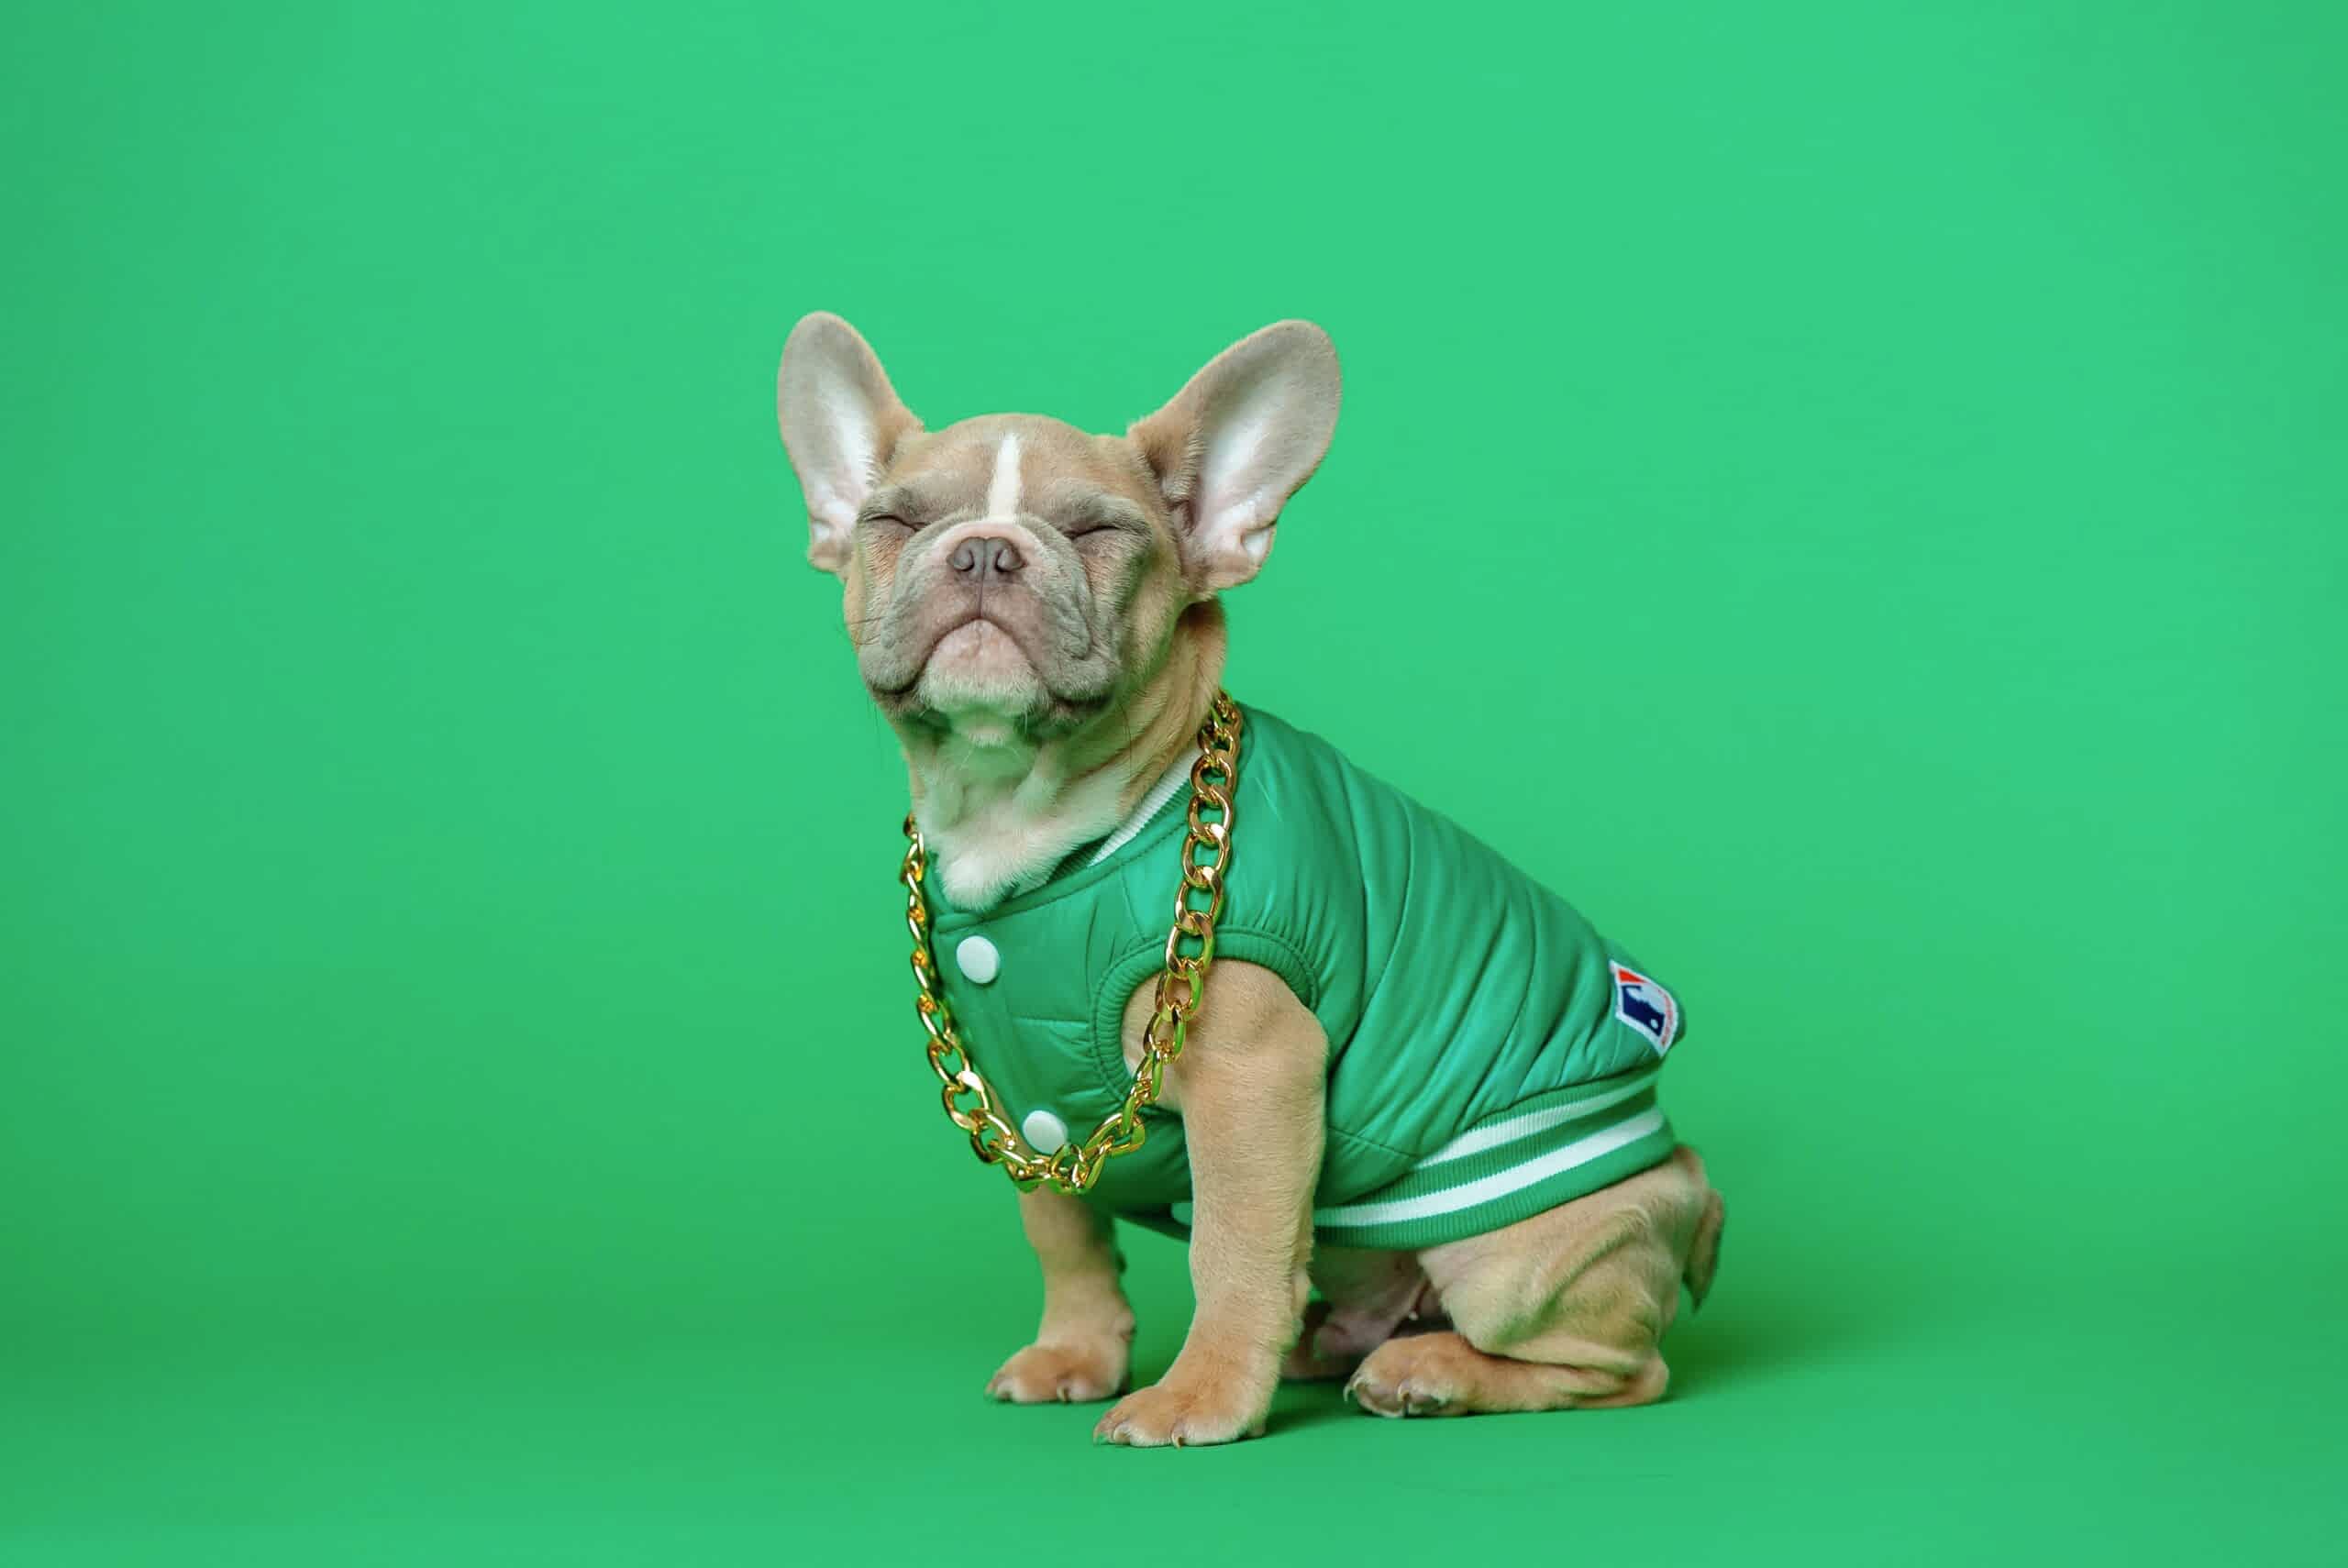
[(1044, 1130), (978, 960)]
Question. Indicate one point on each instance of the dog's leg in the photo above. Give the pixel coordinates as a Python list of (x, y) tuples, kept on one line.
[(1249, 1087), (1560, 1311), (1081, 1349)]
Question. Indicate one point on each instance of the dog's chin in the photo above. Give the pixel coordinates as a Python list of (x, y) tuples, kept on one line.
[(981, 683)]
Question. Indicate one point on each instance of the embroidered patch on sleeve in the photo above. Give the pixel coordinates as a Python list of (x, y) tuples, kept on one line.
[(1646, 1007)]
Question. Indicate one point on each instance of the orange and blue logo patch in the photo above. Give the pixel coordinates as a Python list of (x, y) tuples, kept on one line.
[(1646, 1007)]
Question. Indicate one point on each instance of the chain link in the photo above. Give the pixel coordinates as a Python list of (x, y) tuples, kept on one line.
[(970, 1100)]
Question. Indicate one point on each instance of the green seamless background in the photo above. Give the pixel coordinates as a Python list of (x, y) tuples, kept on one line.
[(1851, 495)]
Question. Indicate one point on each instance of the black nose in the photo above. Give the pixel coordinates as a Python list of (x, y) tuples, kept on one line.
[(981, 555)]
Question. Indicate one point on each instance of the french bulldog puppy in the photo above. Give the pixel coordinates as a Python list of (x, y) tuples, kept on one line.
[(1416, 1081)]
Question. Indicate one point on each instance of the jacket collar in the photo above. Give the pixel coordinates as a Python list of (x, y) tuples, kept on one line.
[(1093, 853)]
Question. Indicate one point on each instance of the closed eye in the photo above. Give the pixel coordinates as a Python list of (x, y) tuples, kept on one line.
[(1103, 520)]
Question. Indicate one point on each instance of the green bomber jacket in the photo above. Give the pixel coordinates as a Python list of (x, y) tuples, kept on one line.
[(1490, 1055)]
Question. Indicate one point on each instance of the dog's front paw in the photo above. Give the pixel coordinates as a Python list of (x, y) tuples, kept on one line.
[(1067, 1374), (1187, 1410)]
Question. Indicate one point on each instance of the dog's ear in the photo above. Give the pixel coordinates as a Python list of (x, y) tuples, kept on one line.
[(1237, 442), (840, 421)]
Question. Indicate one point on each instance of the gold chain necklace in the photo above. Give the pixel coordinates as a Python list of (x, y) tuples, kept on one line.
[(971, 1100)]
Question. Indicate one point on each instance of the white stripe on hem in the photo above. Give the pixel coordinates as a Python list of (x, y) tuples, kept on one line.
[(1496, 1133), (1499, 1184)]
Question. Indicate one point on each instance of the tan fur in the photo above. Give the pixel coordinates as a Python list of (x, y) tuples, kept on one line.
[(1082, 1345), (1564, 1310), (1248, 1088), (1080, 687)]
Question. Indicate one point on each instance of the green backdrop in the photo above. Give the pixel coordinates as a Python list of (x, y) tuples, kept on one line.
[(1852, 495)]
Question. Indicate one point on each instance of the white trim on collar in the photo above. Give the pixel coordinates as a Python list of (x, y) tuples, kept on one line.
[(1151, 803)]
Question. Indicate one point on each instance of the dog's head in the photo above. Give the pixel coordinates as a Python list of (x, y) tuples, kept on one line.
[(1012, 575)]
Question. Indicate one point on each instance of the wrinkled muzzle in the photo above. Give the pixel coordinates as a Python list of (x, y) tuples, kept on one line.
[(959, 593)]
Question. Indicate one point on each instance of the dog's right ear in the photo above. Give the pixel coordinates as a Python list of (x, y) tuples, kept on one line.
[(840, 421)]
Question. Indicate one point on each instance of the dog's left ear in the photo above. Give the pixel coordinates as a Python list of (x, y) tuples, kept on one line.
[(1236, 443)]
